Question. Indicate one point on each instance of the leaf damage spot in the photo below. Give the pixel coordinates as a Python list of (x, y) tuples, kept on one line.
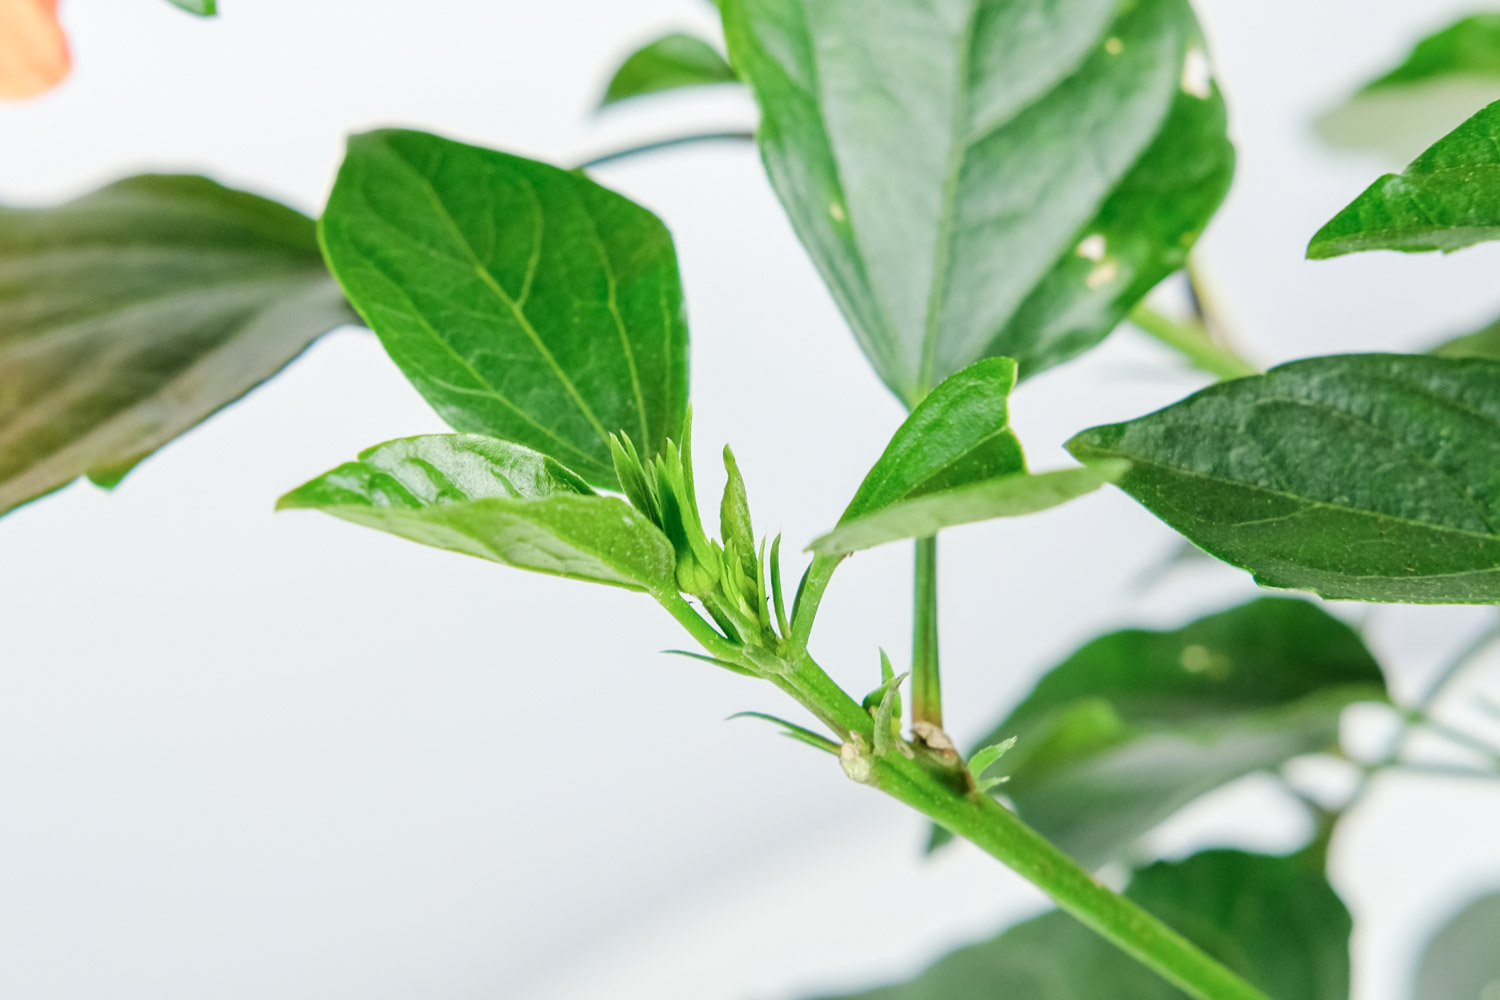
[(1197, 74), (1196, 659), (1104, 274), (837, 212), (1093, 247), (1114, 46)]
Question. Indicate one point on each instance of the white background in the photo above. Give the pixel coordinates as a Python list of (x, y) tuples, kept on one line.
[(246, 755)]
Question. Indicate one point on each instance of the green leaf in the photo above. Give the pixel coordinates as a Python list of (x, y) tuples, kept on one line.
[(132, 314), (1367, 477), (669, 63), (1008, 496), (959, 434), (1436, 87), (203, 8), (1276, 921), (1461, 961), (1448, 199), (523, 301), (498, 501), (1483, 343), (985, 177), (1136, 724)]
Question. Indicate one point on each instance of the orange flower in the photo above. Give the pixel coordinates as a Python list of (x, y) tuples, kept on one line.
[(33, 49)]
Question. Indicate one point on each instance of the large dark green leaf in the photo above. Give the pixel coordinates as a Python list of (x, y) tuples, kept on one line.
[(498, 501), (1446, 76), (1462, 961), (1276, 921), (669, 63), (959, 434), (130, 315), (1448, 199), (523, 301), (985, 177), (1370, 477), (1137, 724)]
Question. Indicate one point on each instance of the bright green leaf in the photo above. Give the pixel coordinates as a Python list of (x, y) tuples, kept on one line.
[(1008, 496), (498, 501), (132, 314), (669, 63), (1462, 962), (1439, 84), (985, 177), (1367, 477), (959, 434), (523, 301), (1448, 199), (1276, 921), (1483, 343), (203, 8), (1136, 724)]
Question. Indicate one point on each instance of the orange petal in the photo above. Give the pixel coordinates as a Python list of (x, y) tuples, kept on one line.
[(33, 49)]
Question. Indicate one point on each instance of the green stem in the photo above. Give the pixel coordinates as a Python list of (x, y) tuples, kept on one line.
[(810, 597), (660, 144), (1193, 343), (935, 791), (926, 685), (1457, 736)]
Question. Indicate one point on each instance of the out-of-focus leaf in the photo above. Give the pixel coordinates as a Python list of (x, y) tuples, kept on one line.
[(130, 315), (1462, 961), (1137, 724), (670, 63), (1480, 344), (1448, 199), (523, 301), (1367, 477), (496, 500), (985, 178), (1275, 921), (1402, 112), (203, 8)]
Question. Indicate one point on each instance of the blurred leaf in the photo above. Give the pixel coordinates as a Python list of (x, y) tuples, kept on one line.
[(669, 63), (1007, 496), (985, 177), (132, 314), (1369, 477), (523, 301), (1137, 724), (1448, 199), (203, 8), (1276, 921), (1462, 961), (1480, 344), (959, 434), (1440, 83), (495, 500)]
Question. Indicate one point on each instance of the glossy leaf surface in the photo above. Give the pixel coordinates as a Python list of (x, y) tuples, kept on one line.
[(1448, 199), (1461, 961), (671, 62), (1137, 724), (959, 434), (523, 301), (1372, 477), (1439, 84), (985, 177), (496, 500), (1276, 921), (130, 315), (1007, 496)]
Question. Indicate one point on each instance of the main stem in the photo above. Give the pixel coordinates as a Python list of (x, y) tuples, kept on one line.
[(1194, 343), (939, 793), (926, 685)]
